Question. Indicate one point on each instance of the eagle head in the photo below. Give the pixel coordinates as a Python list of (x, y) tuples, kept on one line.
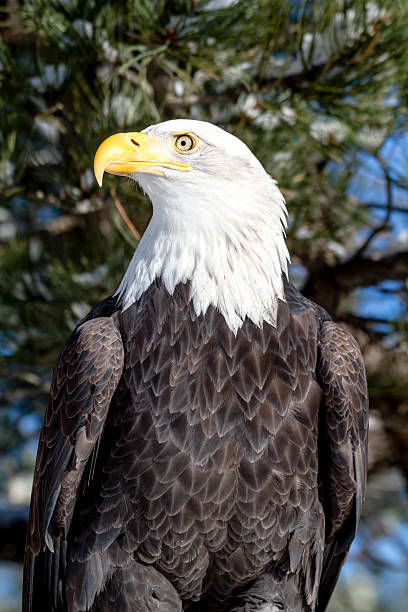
[(218, 218)]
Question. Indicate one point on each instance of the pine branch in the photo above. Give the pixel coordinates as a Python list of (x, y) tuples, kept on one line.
[(384, 224), (329, 285), (123, 214), (397, 209)]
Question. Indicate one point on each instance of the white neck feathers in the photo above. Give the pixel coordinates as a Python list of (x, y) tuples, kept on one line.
[(224, 236)]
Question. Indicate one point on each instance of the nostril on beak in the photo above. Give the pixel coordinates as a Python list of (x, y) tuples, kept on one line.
[(133, 141)]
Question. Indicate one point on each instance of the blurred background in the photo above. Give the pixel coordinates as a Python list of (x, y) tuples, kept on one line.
[(319, 91)]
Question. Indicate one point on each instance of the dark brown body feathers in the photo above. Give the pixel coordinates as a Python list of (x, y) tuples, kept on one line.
[(179, 463)]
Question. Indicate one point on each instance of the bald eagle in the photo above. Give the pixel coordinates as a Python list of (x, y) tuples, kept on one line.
[(205, 441)]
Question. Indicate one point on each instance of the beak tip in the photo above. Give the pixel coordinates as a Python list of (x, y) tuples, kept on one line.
[(98, 174)]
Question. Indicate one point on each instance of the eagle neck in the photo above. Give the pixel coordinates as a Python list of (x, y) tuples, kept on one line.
[(229, 246)]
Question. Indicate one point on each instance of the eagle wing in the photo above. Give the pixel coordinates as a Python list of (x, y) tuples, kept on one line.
[(84, 380), (343, 447)]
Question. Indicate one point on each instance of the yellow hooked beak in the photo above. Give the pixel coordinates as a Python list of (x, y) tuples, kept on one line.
[(124, 154)]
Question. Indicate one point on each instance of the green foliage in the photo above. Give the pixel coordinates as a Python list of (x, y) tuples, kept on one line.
[(310, 86)]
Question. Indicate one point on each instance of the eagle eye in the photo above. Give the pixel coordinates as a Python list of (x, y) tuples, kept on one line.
[(184, 143)]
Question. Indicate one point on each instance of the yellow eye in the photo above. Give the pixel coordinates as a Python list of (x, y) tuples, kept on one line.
[(185, 143)]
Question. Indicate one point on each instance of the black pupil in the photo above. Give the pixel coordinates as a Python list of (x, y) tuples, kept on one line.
[(185, 142)]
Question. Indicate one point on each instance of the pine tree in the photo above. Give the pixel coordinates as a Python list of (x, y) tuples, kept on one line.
[(318, 90)]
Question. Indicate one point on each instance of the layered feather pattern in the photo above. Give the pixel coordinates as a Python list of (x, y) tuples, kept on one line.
[(206, 485)]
